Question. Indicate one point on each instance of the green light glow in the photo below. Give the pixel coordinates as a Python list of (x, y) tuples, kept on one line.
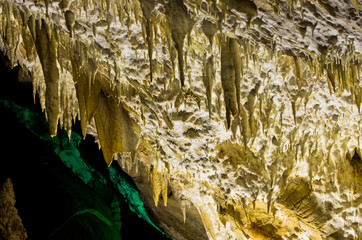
[(68, 152)]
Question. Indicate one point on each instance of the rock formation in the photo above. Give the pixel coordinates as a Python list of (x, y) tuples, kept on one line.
[(11, 227), (236, 119)]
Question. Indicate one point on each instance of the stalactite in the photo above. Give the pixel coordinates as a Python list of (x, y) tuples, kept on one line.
[(167, 120), (298, 71), (46, 47), (147, 9), (116, 130), (168, 33), (88, 76), (228, 81), (208, 80), (164, 186), (47, 2), (64, 5), (209, 29), (251, 106), (184, 206), (70, 21), (87, 96), (355, 4), (235, 54), (120, 9), (156, 185), (245, 126), (181, 24)]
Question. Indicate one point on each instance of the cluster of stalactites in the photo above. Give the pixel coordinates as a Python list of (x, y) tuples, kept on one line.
[(72, 82), (275, 4), (158, 177), (68, 77), (63, 58), (174, 25), (147, 158), (33, 42)]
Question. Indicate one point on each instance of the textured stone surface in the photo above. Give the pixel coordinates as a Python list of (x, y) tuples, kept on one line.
[(65, 184), (247, 111), (11, 226)]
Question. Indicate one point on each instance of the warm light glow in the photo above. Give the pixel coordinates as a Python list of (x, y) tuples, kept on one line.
[(247, 111)]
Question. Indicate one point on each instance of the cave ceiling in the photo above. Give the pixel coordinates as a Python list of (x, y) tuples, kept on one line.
[(241, 115)]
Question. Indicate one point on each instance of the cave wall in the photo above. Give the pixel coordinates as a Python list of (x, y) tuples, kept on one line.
[(62, 187), (246, 114)]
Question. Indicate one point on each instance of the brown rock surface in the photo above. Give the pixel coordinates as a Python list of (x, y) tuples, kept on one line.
[(261, 136), (11, 226)]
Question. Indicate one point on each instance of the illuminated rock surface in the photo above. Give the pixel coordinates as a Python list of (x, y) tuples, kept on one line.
[(63, 188), (11, 226), (243, 117)]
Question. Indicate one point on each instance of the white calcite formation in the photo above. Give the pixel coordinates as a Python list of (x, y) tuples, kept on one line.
[(245, 113)]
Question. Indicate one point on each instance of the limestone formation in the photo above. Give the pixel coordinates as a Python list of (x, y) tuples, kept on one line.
[(11, 226), (243, 117)]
